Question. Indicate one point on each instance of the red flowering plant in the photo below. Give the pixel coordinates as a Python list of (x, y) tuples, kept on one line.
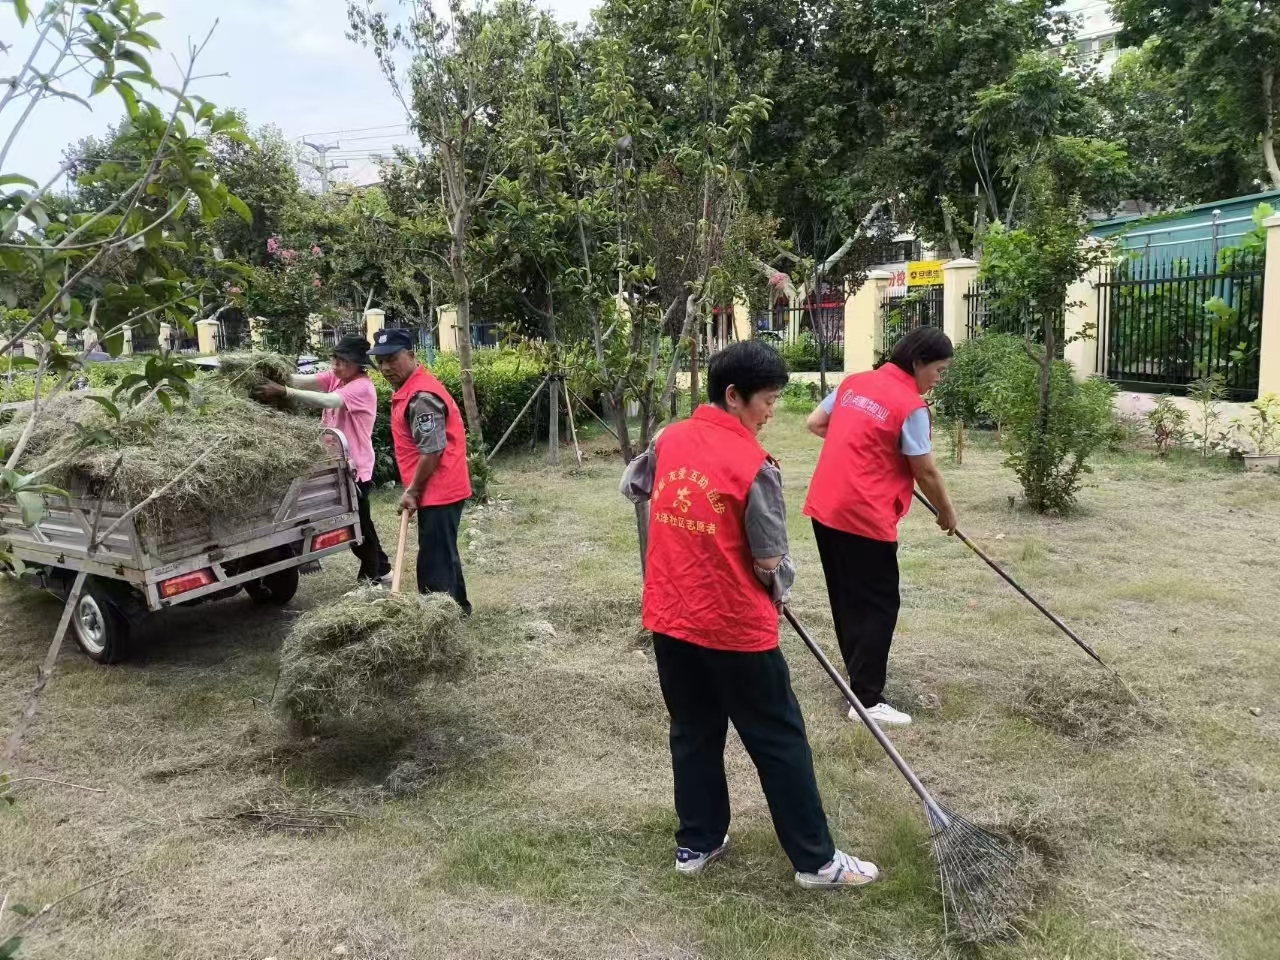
[(285, 293)]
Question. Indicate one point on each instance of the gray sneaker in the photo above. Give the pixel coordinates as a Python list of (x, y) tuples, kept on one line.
[(690, 862)]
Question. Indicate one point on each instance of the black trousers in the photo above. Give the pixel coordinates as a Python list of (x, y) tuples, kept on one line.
[(373, 561), (862, 584), (704, 690), (439, 566)]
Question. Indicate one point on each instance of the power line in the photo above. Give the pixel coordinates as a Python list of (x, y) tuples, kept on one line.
[(338, 133)]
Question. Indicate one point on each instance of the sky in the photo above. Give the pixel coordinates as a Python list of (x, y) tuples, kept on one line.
[(289, 64)]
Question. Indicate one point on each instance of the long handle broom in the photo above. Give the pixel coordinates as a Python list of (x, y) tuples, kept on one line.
[(981, 555), (984, 883)]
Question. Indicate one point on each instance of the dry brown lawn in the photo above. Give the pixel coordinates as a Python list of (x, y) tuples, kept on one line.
[(527, 811)]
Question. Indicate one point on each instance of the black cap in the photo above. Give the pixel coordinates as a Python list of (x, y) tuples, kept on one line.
[(354, 348), (387, 342)]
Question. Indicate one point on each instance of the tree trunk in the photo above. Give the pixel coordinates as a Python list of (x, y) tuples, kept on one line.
[(1040, 450), (694, 389), (553, 427), (619, 407), (470, 407), (1269, 126), (953, 242), (686, 329)]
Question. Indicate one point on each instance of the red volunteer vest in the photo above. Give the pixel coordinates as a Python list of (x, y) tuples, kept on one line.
[(863, 483), (699, 585), (451, 482)]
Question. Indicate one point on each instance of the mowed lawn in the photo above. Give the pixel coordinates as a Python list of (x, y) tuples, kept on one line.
[(527, 813)]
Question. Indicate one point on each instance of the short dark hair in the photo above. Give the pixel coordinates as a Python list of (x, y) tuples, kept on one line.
[(923, 346), (749, 365)]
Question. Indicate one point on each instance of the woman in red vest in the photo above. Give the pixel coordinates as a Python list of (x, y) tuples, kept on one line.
[(431, 452), (717, 567), (877, 433)]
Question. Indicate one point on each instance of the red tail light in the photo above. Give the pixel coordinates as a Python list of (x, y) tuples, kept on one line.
[(331, 539), (188, 581)]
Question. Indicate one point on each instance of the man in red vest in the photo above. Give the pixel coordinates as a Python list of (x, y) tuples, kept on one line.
[(431, 452), (717, 568), (877, 448)]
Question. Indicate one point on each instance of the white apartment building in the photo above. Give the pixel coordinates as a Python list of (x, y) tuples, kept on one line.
[(1097, 39)]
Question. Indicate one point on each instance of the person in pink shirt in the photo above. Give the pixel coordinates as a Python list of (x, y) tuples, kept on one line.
[(350, 404)]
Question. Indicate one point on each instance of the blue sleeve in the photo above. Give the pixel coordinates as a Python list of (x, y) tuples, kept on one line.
[(915, 434), (828, 404)]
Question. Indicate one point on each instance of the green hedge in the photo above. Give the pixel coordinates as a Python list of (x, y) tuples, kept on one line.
[(504, 382)]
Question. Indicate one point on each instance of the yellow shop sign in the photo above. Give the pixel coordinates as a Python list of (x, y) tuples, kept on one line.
[(925, 273)]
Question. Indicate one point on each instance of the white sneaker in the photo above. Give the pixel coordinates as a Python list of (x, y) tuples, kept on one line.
[(690, 862), (884, 716), (842, 871)]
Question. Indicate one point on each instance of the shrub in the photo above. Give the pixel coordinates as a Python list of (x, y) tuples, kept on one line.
[(1167, 424), (800, 396), (802, 356), (1207, 393), (1263, 426), (960, 393), (1051, 457), (11, 321), (504, 382)]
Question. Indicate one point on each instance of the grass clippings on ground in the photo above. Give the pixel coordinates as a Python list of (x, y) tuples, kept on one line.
[(1092, 708)]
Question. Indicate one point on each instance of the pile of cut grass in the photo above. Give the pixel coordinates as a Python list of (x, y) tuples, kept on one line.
[(1090, 708), (359, 658), (243, 373), (251, 452)]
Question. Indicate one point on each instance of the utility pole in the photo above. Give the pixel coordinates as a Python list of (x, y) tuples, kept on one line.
[(323, 167)]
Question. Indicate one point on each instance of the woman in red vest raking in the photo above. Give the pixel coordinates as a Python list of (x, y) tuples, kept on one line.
[(717, 568), (431, 451), (877, 449)]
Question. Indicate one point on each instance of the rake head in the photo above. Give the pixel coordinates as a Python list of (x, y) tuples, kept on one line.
[(988, 880)]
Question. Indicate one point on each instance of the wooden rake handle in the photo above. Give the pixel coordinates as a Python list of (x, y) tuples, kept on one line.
[(398, 571)]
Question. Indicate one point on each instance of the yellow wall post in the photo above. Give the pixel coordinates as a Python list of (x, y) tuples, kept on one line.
[(741, 320), (207, 336), (863, 336), (448, 329), (374, 320), (957, 275), (1081, 316), (1269, 359)]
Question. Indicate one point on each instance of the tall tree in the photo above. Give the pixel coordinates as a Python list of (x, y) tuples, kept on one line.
[(1179, 152), (461, 69), (932, 59), (1223, 60)]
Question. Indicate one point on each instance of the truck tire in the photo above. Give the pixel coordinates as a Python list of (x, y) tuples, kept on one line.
[(275, 589), (100, 630)]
